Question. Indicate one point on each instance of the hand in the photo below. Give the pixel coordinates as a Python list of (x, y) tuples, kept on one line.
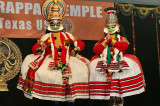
[(108, 36), (43, 46), (73, 53), (113, 41)]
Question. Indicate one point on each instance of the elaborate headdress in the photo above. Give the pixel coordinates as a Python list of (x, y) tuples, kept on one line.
[(111, 18), (53, 10)]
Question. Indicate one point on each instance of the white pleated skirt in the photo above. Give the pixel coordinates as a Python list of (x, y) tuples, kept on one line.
[(126, 83), (48, 84)]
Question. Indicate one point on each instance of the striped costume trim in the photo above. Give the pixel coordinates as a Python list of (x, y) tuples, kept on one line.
[(117, 86), (34, 64), (46, 89)]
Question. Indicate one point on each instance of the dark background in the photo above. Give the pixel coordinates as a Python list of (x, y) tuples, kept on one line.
[(146, 51)]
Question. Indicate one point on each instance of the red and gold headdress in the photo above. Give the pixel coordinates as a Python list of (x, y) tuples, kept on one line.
[(53, 9)]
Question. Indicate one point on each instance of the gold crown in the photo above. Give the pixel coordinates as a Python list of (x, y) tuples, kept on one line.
[(55, 8), (56, 15), (55, 12), (55, 5), (55, 1)]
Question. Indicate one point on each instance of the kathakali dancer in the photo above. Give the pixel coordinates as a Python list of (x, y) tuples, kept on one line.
[(113, 73), (51, 73)]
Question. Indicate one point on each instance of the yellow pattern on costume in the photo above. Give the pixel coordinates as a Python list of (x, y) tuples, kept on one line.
[(57, 40), (113, 36)]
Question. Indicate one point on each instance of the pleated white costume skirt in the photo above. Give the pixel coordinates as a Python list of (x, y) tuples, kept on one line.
[(48, 84), (126, 83)]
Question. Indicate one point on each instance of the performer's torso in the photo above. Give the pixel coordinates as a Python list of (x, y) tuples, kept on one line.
[(57, 39)]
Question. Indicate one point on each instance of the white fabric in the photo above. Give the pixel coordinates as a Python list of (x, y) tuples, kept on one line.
[(96, 76), (79, 71)]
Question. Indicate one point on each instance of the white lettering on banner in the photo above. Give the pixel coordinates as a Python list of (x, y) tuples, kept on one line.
[(92, 11), (19, 6), (28, 6), (99, 11), (75, 10), (85, 9), (35, 9), (2, 4), (29, 27), (21, 25), (7, 24), (14, 24), (1, 23), (82, 11), (40, 24), (10, 8)]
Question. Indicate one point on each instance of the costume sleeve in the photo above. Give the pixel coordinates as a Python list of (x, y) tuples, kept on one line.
[(78, 45), (36, 49), (100, 46), (122, 45)]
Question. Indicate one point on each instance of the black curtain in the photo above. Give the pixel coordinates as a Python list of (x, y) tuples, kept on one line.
[(147, 53)]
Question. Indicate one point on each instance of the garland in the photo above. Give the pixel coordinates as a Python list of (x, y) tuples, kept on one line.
[(125, 9), (142, 12), (128, 9)]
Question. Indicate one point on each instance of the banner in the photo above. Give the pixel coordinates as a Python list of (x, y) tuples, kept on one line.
[(23, 18)]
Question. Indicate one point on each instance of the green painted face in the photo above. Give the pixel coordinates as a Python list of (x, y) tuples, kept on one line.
[(55, 24), (111, 28)]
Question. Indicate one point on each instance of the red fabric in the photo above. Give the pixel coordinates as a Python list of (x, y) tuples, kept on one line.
[(56, 89), (30, 78), (101, 40), (70, 40), (122, 46), (119, 86), (135, 59), (63, 49), (108, 42), (35, 47), (47, 50), (81, 45), (55, 50), (94, 57), (31, 72), (98, 48)]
